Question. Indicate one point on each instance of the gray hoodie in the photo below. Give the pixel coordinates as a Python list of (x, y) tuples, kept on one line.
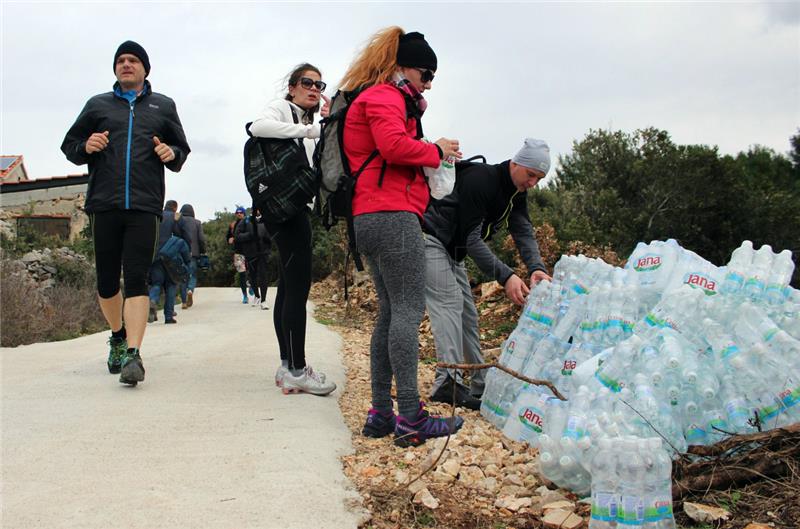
[(193, 230)]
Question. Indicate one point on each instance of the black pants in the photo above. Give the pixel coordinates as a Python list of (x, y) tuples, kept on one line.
[(293, 239), (257, 272), (123, 240)]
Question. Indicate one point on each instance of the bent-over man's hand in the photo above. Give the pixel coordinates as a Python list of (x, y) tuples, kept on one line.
[(97, 142), (539, 276), (163, 151), (516, 289)]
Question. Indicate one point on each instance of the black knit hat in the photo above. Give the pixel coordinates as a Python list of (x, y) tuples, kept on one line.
[(415, 52), (134, 49)]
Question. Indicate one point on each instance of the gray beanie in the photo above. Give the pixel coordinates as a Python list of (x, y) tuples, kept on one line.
[(534, 154)]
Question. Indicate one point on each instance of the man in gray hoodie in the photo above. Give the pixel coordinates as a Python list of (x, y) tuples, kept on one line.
[(193, 233)]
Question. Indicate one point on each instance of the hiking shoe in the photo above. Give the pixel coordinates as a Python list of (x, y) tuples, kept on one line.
[(279, 374), (378, 424), (462, 397), (184, 306), (152, 315), (171, 320), (307, 382), (118, 347), (189, 300), (132, 368), (426, 426)]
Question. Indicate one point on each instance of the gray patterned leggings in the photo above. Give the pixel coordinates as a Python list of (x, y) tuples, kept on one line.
[(394, 248)]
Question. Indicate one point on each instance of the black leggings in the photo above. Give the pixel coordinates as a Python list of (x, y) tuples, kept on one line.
[(257, 271), (293, 239), (126, 240)]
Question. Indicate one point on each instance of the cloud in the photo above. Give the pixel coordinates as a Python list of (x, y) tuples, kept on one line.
[(211, 147), (783, 12)]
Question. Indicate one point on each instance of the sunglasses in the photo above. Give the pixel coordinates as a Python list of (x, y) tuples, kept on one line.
[(308, 83), (427, 75)]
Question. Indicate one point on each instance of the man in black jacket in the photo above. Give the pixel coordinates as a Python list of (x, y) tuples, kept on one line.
[(126, 137), (485, 198)]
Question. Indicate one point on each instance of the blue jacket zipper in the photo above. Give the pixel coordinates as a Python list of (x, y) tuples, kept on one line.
[(128, 159)]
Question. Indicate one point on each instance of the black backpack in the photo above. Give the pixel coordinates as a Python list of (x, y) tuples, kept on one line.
[(277, 175), (337, 180)]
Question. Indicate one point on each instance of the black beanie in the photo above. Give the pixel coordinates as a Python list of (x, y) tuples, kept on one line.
[(415, 52), (134, 49)]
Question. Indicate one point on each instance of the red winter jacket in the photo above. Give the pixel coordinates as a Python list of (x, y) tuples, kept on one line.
[(377, 120)]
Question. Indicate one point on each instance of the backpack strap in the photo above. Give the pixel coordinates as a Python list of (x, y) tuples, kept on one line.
[(351, 230)]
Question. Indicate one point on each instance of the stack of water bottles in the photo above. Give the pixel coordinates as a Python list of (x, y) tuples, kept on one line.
[(668, 349)]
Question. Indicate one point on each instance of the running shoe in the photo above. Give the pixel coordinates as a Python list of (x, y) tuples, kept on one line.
[(426, 426), (244, 299), (279, 374), (379, 424), (132, 368), (264, 305), (118, 347), (307, 382)]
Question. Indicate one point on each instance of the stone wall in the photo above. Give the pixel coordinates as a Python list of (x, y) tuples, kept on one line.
[(56, 201)]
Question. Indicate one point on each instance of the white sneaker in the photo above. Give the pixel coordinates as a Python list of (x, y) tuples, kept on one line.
[(307, 382), (279, 374), (255, 301), (264, 305)]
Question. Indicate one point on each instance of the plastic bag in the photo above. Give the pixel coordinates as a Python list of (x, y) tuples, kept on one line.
[(442, 179)]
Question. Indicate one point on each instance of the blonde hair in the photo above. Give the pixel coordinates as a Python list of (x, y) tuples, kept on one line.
[(377, 62)]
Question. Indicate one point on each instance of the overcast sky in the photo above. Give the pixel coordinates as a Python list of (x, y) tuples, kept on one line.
[(725, 74)]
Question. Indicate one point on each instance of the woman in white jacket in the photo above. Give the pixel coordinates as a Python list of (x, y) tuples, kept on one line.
[(293, 117)]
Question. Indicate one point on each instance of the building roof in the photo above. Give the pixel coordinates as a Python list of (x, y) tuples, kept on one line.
[(44, 183), (8, 163)]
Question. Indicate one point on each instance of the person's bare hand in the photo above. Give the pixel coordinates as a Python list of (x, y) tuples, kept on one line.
[(230, 240), (539, 276), (163, 150), (97, 142), (449, 148), (516, 289), (325, 111)]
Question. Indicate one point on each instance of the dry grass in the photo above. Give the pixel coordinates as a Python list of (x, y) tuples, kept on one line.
[(31, 314)]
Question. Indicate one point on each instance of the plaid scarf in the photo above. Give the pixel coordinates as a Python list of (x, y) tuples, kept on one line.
[(405, 86)]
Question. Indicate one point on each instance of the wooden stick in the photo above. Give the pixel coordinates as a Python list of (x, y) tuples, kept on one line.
[(535, 381)]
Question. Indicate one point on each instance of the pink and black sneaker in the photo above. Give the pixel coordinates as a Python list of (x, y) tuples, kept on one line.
[(378, 424), (427, 426)]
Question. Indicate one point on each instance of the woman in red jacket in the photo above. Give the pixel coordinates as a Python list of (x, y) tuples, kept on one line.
[(390, 196)]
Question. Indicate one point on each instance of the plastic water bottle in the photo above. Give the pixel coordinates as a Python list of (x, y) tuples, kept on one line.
[(737, 409), (605, 483), (779, 278), (737, 269), (759, 273), (526, 421), (493, 390), (663, 489), (549, 459), (694, 424), (631, 472)]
